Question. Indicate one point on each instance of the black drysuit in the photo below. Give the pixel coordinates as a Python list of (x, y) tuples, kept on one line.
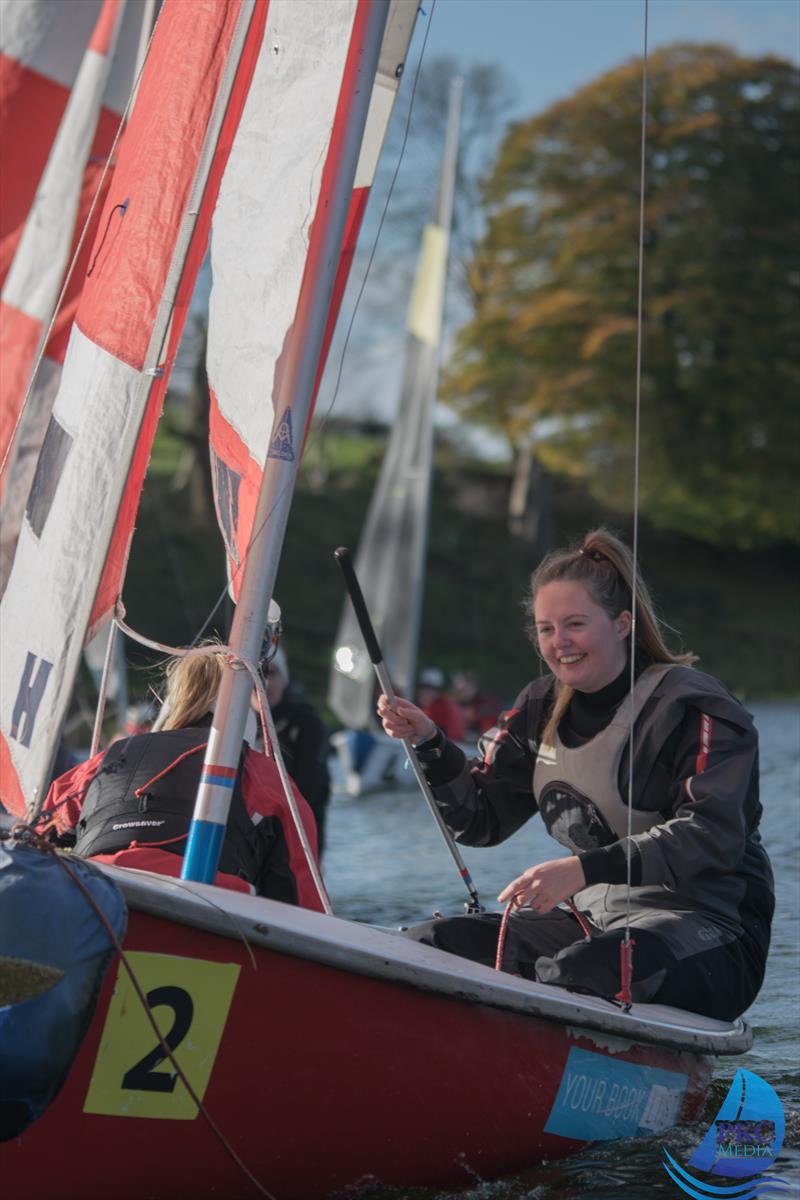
[(702, 896)]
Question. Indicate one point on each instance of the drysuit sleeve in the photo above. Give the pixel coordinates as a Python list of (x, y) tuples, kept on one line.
[(263, 796), (485, 800)]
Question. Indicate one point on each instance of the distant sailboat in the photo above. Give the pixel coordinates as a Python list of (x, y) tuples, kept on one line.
[(390, 561)]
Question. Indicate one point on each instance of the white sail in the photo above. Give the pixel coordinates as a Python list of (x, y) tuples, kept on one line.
[(74, 540), (184, 132), (390, 562), (262, 228)]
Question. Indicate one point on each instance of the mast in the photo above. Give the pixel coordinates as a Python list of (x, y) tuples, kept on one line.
[(292, 403), (391, 556)]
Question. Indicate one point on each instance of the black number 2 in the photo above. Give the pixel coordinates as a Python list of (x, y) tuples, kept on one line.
[(143, 1076)]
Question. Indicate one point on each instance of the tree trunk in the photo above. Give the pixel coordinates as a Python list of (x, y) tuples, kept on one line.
[(530, 500)]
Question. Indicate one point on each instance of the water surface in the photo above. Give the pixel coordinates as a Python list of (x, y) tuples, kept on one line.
[(386, 863)]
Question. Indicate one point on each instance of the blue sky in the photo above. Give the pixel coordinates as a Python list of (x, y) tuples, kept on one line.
[(551, 47)]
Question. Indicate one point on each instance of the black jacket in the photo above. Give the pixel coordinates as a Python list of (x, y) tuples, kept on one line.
[(303, 740), (704, 855), (144, 793)]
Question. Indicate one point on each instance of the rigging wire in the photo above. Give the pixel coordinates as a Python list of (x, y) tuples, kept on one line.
[(627, 944), (329, 409)]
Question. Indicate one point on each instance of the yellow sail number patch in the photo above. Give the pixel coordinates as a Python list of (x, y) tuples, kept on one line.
[(190, 999)]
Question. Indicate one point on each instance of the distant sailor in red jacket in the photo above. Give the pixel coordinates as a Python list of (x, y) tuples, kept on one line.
[(132, 804), (479, 708), (436, 704)]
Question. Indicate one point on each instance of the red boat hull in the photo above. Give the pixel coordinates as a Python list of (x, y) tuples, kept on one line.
[(323, 1080)]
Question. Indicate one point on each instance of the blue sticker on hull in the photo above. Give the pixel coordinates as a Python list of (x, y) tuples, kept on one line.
[(601, 1097)]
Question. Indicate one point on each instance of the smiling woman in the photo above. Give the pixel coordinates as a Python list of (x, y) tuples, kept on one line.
[(648, 776), (582, 645), (588, 647)]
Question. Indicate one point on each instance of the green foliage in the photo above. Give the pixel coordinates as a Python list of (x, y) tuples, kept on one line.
[(552, 344)]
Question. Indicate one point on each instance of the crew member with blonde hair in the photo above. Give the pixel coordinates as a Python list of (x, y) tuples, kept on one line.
[(132, 804), (701, 893)]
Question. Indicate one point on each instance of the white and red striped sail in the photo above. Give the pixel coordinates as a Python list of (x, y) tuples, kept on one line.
[(74, 540), (64, 193), (261, 233), (42, 44)]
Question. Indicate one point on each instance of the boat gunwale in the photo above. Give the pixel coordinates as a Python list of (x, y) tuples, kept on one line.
[(347, 945)]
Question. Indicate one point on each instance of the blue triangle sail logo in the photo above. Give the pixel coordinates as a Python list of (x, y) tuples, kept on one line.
[(282, 444), (742, 1142)]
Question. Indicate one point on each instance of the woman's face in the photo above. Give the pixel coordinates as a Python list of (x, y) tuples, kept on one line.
[(582, 645)]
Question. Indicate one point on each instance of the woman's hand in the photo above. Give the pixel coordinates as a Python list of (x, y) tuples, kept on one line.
[(405, 720), (546, 885)]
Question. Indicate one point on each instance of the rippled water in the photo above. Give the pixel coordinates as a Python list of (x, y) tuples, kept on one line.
[(386, 863)]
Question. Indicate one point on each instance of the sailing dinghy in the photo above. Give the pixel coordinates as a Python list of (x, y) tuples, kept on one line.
[(333, 1058)]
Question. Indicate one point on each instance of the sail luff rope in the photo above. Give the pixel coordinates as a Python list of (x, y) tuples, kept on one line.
[(45, 339), (626, 947)]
